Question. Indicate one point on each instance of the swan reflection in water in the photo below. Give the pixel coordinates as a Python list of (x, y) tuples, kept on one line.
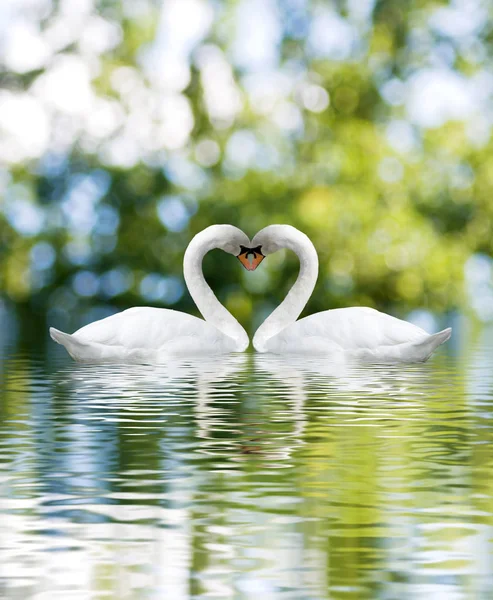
[(230, 399), (144, 381), (225, 398), (361, 379), (157, 476)]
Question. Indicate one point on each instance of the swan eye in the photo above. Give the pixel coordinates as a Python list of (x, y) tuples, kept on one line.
[(250, 258)]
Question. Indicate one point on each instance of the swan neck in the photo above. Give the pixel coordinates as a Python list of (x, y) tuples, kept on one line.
[(203, 296), (289, 310)]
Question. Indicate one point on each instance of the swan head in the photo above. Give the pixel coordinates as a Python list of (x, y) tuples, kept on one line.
[(275, 237), (267, 241), (230, 239)]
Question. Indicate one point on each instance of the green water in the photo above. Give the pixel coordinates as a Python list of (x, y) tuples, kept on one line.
[(247, 477)]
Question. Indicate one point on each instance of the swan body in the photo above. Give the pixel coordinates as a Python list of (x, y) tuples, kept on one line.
[(356, 332), (154, 335)]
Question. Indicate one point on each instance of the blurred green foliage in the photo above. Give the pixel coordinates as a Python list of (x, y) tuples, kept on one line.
[(394, 206)]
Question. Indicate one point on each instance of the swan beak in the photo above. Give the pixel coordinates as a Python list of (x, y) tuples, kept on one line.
[(250, 258)]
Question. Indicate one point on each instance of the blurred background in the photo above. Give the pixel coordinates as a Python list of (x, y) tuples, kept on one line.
[(127, 126)]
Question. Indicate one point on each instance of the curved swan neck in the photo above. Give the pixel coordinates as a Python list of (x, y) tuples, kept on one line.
[(205, 299), (289, 310)]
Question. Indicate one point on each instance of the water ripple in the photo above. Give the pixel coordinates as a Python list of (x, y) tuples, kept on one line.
[(250, 476)]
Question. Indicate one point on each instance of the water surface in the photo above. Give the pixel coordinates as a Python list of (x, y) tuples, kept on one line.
[(247, 477)]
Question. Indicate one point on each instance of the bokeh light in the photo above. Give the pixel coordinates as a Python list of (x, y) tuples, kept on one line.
[(126, 127)]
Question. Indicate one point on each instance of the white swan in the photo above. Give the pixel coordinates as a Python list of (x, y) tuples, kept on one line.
[(153, 335), (357, 332)]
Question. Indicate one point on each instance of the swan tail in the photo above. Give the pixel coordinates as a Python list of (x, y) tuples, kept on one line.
[(427, 346), (60, 337), (78, 350)]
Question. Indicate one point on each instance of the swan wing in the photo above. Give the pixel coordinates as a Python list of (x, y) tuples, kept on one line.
[(357, 332), (141, 334), (357, 327), (144, 327)]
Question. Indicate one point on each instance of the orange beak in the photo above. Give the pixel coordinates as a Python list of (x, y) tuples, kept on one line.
[(250, 258)]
